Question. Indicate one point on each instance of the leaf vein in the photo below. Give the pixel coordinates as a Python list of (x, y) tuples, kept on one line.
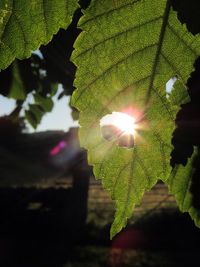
[(116, 36), (22, 31), (45, 18), (118, 176), (172, 66), (162, 151), (110, 68), (163, 103), (109, 12), (182, 40), (144, 169)]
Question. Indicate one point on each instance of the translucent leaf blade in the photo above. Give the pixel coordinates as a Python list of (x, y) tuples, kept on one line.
[(127, 52)]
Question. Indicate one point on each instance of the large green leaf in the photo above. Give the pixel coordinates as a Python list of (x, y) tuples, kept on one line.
[(126, 53), (25, 25)]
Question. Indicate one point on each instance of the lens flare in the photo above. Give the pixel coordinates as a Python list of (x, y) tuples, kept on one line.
[(124, 122), (124, 128)]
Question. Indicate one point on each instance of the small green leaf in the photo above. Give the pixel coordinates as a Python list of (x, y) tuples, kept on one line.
[(25, 25), (179, 183), (45, 102), (127, 52), (31, 118), (74, 114), (37, 111)]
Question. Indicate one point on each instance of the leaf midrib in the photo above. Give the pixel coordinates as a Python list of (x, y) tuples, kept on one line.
[(158, 51), (110, 68)]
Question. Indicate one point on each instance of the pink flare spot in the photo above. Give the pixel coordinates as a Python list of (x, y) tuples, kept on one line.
[(62, 144), (130, 239), (55, 150)]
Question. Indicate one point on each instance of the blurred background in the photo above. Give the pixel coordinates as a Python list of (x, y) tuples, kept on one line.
[(53, 213)]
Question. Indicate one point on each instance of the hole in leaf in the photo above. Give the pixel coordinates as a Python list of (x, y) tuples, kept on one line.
[(119, 127), (169, 86)]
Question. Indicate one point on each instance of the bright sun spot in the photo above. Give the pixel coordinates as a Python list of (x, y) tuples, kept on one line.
[(122, 121)]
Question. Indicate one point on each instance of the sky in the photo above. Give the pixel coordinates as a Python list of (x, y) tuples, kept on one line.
[(58, 119)]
